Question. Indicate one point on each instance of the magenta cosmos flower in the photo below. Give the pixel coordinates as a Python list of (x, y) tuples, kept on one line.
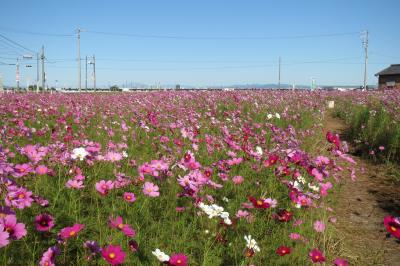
[(316, 256), (16, 230), (104, 186), (340, 262), (113, 255), (392, 225), (150, 189), (178, 259), (125, 228), (283, 250), (72, 231), (44, 222), (129, 197), (4, 235)]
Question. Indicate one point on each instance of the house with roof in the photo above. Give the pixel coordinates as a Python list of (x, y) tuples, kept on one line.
[(389, 78)]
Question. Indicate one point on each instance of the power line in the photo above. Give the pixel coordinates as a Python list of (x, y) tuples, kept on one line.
[(180, 37), (18, 31), (17, 44)]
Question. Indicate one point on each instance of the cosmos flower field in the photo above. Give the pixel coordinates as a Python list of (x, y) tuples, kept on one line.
[(172, 178)]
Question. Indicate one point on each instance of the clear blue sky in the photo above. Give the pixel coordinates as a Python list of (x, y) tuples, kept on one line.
[(203, 61)]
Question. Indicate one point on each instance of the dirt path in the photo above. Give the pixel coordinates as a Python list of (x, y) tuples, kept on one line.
[(360, 211)]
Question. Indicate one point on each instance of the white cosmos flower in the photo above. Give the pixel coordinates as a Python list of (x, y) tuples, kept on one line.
[(251, 243), (225, 199), (79, 153), (313, 187), (269, 116), (301, 179), (259, 150), (125, 154), (277, 115), (161, 256)]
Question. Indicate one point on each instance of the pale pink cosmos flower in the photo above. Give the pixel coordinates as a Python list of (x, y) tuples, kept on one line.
[(76, 184), (272, 202), (294, 236), (242, 214), (113, 156), (104, 186), (237, 179), (151, 189), (319, 226), (297, 223)]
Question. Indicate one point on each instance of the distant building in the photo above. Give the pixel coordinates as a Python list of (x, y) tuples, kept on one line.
[(389, 77), (177, 87)]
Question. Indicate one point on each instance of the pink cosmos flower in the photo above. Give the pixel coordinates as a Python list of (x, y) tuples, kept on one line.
[(151, 189), (125, 228), (113, 156), (4, 235), (237, 179), (16, 230), (104, 186), (73, 183), (72, 231), (317, 174), (319, 226), (41, 170), (316, 256), (22, 170), (295, 236), (340, 262), (272, 202), (114, 255), (178, 260), (48, 257), (129, 197), (20, 198), (44, 222), (324, 188), (242, 214)]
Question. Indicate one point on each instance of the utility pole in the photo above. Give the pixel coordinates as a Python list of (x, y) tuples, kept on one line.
[(37, 72), (43, 74), (17, 74), (94, 73), (86, 73), (79, 58), (365, 44), (279, 74)]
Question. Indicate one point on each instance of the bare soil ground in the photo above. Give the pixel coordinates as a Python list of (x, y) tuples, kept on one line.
[(361, 207)]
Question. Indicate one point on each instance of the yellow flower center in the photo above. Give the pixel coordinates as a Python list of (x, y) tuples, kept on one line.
[(317, 257), (259, 202), (179, 261), (394, 229), (111, 255), (72, 233), (128, 197), (21, 196), (120, 226)]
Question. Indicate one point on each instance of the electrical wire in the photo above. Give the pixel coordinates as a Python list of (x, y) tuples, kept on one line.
[(153, 36)]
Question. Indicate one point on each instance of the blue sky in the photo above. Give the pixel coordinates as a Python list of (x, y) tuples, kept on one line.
[(199, 57)]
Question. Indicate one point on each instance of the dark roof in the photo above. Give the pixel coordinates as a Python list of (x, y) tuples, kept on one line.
[(392, 70)]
